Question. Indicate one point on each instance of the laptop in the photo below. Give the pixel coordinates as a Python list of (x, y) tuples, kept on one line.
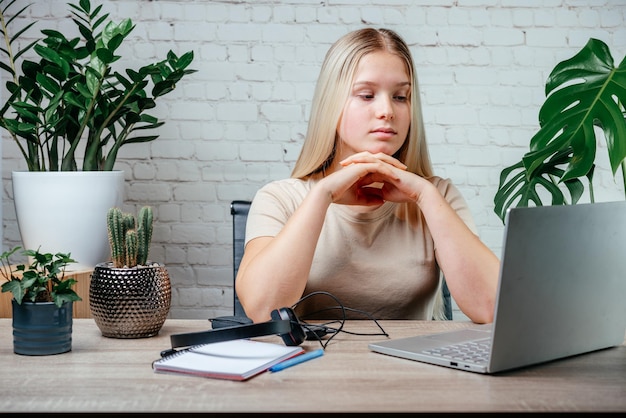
[(561, 292)]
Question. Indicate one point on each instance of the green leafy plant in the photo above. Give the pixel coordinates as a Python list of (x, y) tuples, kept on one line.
[(129, 240), (582, 93), (73, 95), (42, 281)]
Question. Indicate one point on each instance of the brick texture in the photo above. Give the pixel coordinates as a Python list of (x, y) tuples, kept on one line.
[(240, 120)]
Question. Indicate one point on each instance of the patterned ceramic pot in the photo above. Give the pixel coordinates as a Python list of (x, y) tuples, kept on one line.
[(130, 302)]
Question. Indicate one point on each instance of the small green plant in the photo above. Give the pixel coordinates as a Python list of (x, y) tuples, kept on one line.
[(42, 281), (129, 239)]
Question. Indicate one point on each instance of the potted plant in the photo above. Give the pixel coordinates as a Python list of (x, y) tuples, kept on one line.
[(130, 296), (584, 92), (42, 302), (75, 98)]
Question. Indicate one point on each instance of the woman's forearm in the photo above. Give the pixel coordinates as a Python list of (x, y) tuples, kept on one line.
[(471, 269), (274, 270)]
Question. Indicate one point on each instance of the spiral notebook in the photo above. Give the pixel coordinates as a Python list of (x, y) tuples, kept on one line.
[(232, 360)]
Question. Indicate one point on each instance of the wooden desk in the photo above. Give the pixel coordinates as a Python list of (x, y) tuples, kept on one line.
[(112, 375)]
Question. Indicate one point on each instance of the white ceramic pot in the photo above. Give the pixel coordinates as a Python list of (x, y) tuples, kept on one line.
[(65, 211)]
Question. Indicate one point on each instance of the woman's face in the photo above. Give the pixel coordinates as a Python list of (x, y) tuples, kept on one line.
[(377, 114)]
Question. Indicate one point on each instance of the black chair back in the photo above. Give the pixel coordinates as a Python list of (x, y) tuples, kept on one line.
[(239, 209)]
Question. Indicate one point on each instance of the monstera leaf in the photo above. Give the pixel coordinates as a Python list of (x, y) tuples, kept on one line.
[(583, 92)]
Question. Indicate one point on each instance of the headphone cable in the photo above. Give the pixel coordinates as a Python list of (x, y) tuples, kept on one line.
[(341, 321)]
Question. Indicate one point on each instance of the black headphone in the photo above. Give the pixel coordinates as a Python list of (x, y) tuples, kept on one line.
[(284, 323)]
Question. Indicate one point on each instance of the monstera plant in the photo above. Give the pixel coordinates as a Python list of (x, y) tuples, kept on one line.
[(585, 97)]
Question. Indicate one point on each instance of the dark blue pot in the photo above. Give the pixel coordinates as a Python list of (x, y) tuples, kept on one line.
[(42, 328)]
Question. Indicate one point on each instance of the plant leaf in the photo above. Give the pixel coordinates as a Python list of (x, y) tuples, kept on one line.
[(518, 188), (14, 286), (582, 92), (585, 95)]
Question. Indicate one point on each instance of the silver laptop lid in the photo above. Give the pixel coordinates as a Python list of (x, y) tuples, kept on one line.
[(563, 283)]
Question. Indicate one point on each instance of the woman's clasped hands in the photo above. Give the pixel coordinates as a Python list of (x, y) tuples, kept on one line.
[(371, 179)]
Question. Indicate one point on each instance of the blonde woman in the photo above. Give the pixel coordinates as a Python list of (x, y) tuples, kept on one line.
[(363, 217)]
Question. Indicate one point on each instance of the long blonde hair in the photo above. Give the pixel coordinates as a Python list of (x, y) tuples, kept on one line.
[(332, 90)]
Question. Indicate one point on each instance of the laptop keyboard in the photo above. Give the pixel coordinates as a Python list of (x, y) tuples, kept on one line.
[(472, 351)]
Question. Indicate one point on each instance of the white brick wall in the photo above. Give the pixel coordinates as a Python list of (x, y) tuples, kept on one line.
[(239, 121)]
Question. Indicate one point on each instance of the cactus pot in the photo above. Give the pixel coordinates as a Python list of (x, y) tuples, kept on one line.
[(130, 302), (42, 328)]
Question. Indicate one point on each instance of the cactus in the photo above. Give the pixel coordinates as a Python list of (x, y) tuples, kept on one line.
[(131, 248), (116, 235), (129, 240), (144, 234)]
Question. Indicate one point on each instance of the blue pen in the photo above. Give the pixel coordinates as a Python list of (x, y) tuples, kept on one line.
[(296, 360)]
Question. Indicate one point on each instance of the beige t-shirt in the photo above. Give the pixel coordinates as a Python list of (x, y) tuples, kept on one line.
[(374, 262)]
